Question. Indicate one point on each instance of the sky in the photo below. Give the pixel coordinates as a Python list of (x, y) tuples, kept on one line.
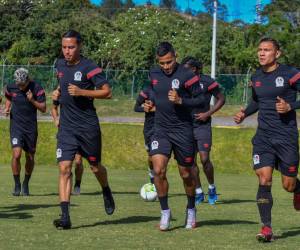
[(237, 9)]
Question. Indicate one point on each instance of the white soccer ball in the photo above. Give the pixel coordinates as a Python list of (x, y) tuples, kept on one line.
[(148, 192)]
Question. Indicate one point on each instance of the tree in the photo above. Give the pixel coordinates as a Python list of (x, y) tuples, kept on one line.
[(168, 4)]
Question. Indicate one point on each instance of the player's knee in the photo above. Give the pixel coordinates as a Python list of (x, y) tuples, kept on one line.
[(265, 180), (160, 172), (289, 186), (16, 156), (186, 175), (29, 157)]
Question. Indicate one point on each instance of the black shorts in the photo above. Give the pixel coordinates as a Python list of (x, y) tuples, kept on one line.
[(182, 144), (279, 153), (147, 140), (26, 141), (203, 137), (87, 144)]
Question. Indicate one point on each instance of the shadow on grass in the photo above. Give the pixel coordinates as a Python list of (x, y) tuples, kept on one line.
[(127, 220), (18, 216), (287, 234), (234, 201), (22, 207)]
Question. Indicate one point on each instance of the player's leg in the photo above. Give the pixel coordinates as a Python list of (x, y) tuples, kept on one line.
[(78, 173), (199, 194), (151, 171), (29, 166), (16, 169)]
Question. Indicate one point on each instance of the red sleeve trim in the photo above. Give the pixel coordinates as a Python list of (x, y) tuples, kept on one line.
[(7, 94), (212, 86), (94, 72), (190, 82), (143, 95), (294, 79), (41, 92)]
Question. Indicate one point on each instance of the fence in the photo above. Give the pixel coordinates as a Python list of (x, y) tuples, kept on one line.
[(128, 84)]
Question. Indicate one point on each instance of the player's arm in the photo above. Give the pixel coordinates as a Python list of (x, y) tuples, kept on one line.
[(140, 101), (40, 101), (7, 106)]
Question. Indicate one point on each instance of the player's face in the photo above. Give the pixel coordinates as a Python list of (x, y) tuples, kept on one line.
[(187, 66), (22, 85), (167, 63), (267, 53), (70, 49)]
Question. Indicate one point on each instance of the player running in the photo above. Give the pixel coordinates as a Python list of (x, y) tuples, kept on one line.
[(202, 128), (23, 98), (173, 86), (144, 103), (275, 144), (80, 81)]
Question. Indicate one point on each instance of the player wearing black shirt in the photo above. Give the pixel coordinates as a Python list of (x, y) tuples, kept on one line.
[(80, 81), (23, 99), (173, 88), (202, 128), (275, 144)]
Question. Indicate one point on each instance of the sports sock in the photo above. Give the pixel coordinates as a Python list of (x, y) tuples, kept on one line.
[(27, 178), (211, 186), (77, 183), (199, 190), (190, 202), (65, 208), (297, 187), (17, 179), (106, 190), (163, 202), (264, 201)]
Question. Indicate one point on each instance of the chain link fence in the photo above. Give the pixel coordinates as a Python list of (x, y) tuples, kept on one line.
[(128, 84)]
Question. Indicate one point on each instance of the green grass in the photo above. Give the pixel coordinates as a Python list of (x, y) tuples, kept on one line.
[(26, 222), (123, 147)]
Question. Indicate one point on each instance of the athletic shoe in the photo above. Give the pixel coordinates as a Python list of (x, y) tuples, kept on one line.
[(165, 219), (76, 190), (265, 235), (297, 201), (64, 222), (109, 203), (25, 189), (190, 220), (199, 198), (212, 196), (17, 190)]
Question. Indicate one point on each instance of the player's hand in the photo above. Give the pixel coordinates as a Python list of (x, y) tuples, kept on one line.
[(6, 111), (56, 94), (240, 116), (29, 95), (148, 105), (282, 106), (56, 122), (202, 116), (174, 97), (74, 90)]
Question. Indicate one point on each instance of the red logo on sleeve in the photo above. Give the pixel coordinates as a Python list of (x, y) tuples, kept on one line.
[(92, 158), (154, 81), (257, 84)]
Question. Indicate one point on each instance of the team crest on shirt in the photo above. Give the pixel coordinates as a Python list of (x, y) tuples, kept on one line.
[(58, 153), (256, 159), (154, 145), (14, 141), (77, 76), (279, 81), (201, 85), (175, 84)]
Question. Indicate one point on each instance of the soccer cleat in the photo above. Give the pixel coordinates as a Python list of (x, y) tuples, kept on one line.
[(190, 220), (64, 222), (199, 198), (297, 201), (165, 219), (25, 189), (17, 190), (76, 190), (212, 196), (109, 203), (265, 235)]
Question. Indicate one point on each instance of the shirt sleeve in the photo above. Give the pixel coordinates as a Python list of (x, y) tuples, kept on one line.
[(252, 107), (213, 87), (96, 75), (139, 101), (39, 93), (8, 93), (295, 83)]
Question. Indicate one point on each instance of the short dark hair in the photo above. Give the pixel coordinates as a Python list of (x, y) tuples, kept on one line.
[(164, 48), (73, 34), (193, 62), (271, 40)]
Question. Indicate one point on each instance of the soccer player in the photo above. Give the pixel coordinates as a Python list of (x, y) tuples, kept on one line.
[(275, 144), (173, 86), (202, 128), (23, 98), (80, 81), (78, 159), (144, 103)]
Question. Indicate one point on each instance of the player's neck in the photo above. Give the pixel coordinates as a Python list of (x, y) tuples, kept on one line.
[(270, 67), (74, 62)]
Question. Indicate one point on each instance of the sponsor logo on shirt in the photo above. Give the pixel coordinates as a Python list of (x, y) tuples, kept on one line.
[(154, 145), (279, 81), (154, 81), (77, 76), (60, 74), (256, 159), (58, 153), (175, 84), (14, 141), (92, 158), (201, 85)]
